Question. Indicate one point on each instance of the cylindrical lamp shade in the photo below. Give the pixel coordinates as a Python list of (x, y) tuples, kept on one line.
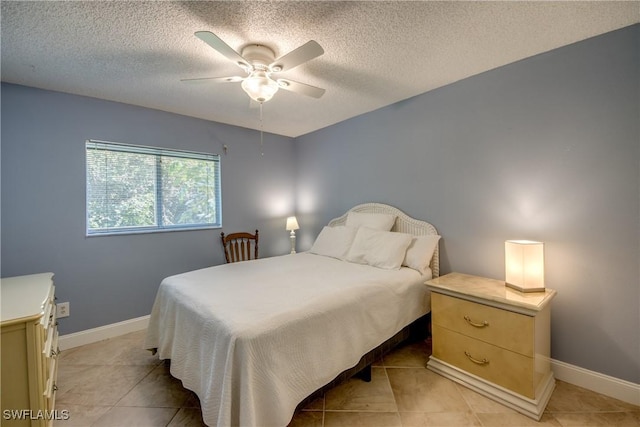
[(524, 265)]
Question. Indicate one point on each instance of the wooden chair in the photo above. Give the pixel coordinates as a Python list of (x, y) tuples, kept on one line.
[(237, 246)]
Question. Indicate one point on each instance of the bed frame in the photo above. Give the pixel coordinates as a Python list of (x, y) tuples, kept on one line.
[(415, 331)]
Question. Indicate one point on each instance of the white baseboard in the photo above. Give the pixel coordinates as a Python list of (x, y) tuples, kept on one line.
[(89, 336), (609, 386)]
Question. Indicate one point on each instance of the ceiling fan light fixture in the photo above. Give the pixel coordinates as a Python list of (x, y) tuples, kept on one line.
[(259, 62), (259, 86)]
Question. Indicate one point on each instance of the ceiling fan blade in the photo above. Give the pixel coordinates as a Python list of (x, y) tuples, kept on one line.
[(300, 55), (297, 87), (218, 44), (232, 79)]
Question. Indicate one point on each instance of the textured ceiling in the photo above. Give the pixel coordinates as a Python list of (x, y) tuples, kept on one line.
[(376, 53)]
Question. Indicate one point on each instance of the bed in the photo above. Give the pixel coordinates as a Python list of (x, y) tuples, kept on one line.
[(254, 339)]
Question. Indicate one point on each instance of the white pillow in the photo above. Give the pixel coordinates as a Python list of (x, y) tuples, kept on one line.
[(334, 241), (382, 222), (383, 249), (420, 252)]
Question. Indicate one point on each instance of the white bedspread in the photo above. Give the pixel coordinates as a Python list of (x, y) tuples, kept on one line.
[(253, 339)]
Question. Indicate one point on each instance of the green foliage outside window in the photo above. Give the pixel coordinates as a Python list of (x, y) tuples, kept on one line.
[(132, 188)]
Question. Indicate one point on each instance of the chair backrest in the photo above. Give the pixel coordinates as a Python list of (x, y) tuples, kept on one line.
[(240, 246)]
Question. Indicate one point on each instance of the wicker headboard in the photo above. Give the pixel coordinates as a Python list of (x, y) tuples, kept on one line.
[(404, 224)]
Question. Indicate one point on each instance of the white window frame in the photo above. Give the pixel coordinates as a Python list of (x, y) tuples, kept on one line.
[(159, 153)]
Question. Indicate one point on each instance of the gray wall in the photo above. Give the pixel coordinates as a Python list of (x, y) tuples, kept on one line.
[(111, 279), (547, 148)]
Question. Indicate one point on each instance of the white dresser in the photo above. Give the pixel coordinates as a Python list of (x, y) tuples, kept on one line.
[(29, 350), (493, 339)]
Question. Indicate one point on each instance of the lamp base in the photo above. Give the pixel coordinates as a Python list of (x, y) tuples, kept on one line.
[(525, 290), (292, 236)]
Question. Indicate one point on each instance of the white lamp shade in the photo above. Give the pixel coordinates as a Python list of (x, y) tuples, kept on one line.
[(292, 223), (259, 86), (524, 265)]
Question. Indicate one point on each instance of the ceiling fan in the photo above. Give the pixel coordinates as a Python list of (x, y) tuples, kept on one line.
[(260, 64)]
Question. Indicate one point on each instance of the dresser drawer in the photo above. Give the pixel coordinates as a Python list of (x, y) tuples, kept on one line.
[(51, 387), (503, 367), (51, 340), (48, 309), (502, 328)]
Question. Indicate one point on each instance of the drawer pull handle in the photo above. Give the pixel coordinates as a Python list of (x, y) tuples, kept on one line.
[(475, 324), (476, 361)]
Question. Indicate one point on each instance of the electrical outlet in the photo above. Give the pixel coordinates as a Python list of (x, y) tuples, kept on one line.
[(62, 310)]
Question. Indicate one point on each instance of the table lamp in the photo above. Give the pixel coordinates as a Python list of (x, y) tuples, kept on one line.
[(292, 225), (524, 265)]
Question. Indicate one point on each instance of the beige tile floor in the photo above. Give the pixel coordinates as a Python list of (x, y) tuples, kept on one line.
[(117, 383)]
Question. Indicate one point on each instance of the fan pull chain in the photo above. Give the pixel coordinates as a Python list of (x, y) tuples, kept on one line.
[(261, 131)]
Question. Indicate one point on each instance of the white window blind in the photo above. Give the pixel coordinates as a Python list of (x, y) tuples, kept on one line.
[(133, 188)]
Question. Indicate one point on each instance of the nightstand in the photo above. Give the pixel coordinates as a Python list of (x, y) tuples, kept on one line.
[(493, 339)]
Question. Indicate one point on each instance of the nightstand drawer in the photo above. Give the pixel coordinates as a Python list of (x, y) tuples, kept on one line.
[(503, 367), (506, 329)]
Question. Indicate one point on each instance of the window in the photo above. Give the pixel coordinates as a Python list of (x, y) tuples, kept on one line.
[(133, 189)]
